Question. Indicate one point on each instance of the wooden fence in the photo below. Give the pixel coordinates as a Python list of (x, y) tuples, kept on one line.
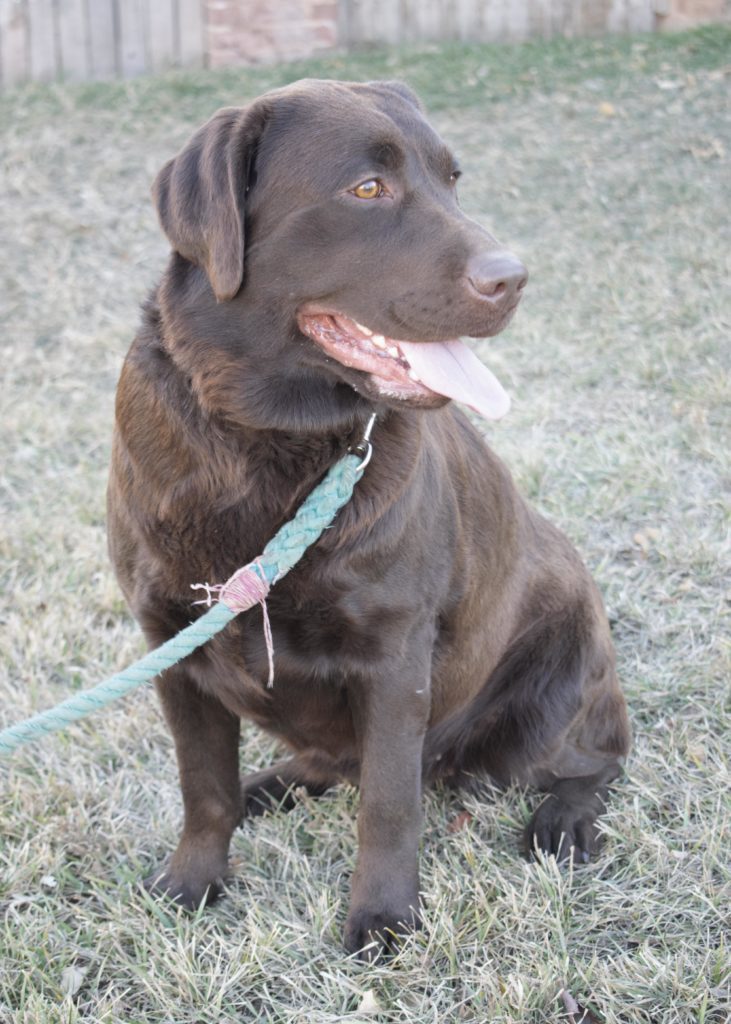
[(90, 39), (404, 21)]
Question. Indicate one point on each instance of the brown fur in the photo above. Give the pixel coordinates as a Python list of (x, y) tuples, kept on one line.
[(441, 629)]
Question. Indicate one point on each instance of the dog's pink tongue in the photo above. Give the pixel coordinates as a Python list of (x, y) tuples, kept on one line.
[(452, 369)]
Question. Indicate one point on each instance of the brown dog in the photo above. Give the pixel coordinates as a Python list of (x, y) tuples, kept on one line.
[(440, 629)]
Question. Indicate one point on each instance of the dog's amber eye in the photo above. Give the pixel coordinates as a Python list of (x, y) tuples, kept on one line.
[(370, 189)]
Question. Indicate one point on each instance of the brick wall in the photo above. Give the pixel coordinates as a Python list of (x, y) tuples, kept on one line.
[(263, 31), (681, 14)]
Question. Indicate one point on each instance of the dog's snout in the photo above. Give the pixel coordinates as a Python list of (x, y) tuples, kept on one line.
[(498, 277)]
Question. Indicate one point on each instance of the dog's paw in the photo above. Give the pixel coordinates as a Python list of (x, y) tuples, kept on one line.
[(262, 793), (189, 881), (280, 788), (188, 893), (564, 830), (374, 933)]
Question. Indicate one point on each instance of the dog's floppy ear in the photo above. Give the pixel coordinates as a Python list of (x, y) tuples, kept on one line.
[(402, 90), (199, 195)]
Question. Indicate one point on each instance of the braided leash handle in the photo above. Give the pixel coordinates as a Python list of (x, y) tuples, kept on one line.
[(282, 552)]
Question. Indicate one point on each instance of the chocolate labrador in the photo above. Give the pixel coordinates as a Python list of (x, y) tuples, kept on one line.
[(441, 630)]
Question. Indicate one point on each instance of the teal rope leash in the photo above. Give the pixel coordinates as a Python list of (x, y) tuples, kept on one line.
[(82, 704), (248, 586)]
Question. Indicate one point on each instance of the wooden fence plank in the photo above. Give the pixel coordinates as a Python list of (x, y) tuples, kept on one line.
[(409, 20), (14, 47), (517, 21), (163, 48), (191, 40), (345, 16), (376, 21), (102, 39), (640, 16), (617, 16), (72, 39), (494, 21), (358, 21), (380, 22), (391, 23), (554, 14), (468, 20), (535, 18), (132, 42), (427, 18), (42, 37)]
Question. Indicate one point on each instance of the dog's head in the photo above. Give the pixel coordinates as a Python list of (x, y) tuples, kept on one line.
[(325, 217)]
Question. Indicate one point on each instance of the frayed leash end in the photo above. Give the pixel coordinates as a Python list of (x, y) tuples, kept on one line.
[(269, 642), (212, 592), (248, 586)]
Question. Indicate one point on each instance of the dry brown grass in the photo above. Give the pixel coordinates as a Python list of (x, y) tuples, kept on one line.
[(605, 166)]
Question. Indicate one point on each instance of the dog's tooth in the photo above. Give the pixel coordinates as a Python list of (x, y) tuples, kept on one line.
[(379, 341), (414, 377), (363, 330), (393, 351)]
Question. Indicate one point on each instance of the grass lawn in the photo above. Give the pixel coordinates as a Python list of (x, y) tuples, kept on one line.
[(605, 166)]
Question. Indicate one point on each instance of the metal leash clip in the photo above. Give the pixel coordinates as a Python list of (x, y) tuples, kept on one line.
[(364, 448)]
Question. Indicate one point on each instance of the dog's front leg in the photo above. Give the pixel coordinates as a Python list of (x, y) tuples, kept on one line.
[(206, 743), (391, 721)]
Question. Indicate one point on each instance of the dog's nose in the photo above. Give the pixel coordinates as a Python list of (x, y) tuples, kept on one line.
[(498, 277)]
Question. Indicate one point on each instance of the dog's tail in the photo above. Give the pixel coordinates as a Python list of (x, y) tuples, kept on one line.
[(528, 700)]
